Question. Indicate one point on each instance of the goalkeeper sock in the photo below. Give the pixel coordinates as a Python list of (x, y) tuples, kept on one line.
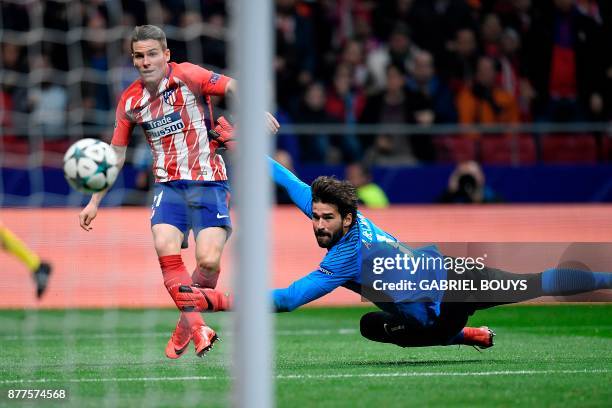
[(566, 281), (175, 274), (17, 247), (458, 339)]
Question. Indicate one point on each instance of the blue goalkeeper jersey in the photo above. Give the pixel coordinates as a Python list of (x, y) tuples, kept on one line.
[(343, 262)]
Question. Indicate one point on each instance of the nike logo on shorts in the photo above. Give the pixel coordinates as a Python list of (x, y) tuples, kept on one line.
[(219, 216)]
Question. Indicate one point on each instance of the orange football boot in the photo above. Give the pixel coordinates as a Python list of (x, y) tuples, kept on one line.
[(181, 336), (481, 337), (203, 338)]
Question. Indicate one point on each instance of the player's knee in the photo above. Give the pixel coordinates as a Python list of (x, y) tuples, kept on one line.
[(208, 264), (368, 327), (165, 245)]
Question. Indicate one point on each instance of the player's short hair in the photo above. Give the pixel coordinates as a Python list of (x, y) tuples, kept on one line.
[(341, 193), (149, 32)]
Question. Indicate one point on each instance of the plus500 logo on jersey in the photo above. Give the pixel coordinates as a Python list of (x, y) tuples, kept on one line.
[(164, 126)]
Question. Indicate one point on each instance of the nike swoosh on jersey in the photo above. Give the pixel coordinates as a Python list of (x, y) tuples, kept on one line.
[(222, 216)]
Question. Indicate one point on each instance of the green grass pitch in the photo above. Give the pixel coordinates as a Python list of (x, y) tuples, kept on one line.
[(544, 356)]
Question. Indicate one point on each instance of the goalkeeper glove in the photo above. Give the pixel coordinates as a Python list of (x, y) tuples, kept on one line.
[(223, 134), (195, 299)]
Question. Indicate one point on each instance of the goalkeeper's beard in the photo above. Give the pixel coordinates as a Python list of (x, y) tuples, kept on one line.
[(327, 239)]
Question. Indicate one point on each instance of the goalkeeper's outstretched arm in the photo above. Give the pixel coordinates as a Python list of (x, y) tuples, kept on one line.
[(300, 192), (87, 215)]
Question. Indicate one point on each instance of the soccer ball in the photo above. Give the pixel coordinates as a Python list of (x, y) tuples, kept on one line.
[(90, 166)]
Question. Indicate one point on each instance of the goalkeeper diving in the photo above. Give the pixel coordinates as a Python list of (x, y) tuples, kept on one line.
[(433, 318)]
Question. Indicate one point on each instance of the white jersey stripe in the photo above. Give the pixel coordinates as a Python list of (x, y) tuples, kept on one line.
[(197, 120), (159, 155), (179, 140)]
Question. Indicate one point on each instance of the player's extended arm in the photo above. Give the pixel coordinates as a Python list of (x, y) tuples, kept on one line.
[(299, 191), (300, 292), (90, 211), (305, 290)]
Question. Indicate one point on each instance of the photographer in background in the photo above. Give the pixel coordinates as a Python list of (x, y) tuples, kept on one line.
[(466, 185)]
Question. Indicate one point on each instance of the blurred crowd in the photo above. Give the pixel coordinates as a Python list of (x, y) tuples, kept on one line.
[(420, 62)]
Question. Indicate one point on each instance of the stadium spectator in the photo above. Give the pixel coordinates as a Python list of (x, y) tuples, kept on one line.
[(6, 115), (40, 269), (490, 35), (429, 102), (390, 107), (96, 95), (214, 48), (287, 142), (368, 192), (124, 68), (510, 77), (430, 99), (352, 56), (467, 185), (459, 62), (387, 14), (13, 98), (48, 103), (191, 189), (295, 30), (399, 52), (315, 147), (363, 33), (484, 102), (516, 15), (565, 63), (345, 102)]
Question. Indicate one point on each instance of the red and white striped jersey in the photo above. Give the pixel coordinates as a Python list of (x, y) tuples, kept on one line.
[(173, 122)]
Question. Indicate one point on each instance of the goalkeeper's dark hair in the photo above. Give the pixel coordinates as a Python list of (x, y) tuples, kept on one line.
[(149, 32), (341, 193)]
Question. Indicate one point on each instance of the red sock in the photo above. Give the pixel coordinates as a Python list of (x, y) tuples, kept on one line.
[(205, 281), (175, 274)]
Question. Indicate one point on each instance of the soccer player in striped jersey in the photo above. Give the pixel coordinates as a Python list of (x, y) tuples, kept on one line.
[(170, 102)]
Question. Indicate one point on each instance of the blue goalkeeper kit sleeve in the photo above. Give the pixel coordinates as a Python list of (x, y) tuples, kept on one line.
[(299, 191)]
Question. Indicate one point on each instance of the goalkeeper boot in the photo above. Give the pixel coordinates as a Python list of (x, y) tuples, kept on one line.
[(41, 278), (181, 336), (204, 339), (481, 337)]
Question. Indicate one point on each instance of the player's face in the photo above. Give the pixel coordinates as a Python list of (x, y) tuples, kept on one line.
[(151, 61), (328, 225)]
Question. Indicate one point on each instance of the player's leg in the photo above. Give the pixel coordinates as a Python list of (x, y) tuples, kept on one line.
[(169, 224), (384, 327), (373, 326), (211, 224), (15, 246), (448, 329), (210, 243), (452, 329), (569, 281), (552, 282), (167, 239), (209, 247)]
